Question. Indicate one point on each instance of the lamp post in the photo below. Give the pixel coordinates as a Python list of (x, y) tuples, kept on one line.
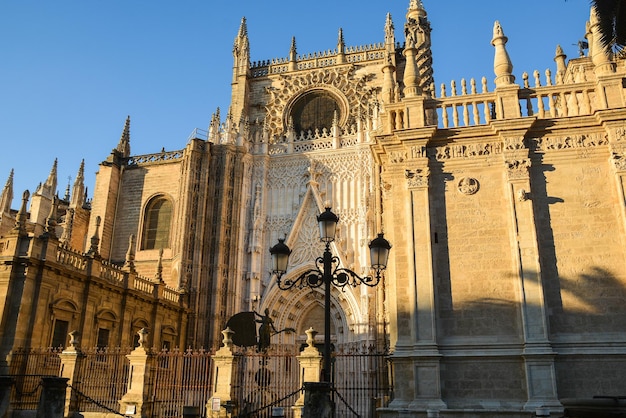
[(327, 272)]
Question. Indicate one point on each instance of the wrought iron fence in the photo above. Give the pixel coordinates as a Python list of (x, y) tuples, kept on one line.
[(103, 377), (361, 380), (181, 379), (178, 379), (271, 380), (266, 381), (27, 367)]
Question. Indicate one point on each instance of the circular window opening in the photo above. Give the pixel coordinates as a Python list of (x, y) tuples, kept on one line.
[(314, 110)]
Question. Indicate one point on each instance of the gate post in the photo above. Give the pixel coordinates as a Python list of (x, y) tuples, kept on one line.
[(52, 401), (310, 360), (136, 403), (71, 359), (223, 375)]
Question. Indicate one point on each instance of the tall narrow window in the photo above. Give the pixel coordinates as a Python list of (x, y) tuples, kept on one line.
[(156, 232), (103, 338), (59, 333)]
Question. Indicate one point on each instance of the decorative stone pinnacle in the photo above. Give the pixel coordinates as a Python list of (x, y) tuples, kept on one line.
[(143, 340), (310, 336), (228, 337)]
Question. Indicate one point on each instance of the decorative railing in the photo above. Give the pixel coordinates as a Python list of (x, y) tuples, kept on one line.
[(355, 54), (452, 110), (155, 158), (70, 258), (113, 273)]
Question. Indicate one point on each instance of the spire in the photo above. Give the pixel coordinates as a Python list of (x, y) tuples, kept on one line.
[(51, 222), (78, 190), (341, 48), (22, 215), (293, 55), (66, 196), (241, 50), (418, 75), (7, 195), (502, 65), (49, 187), (390, 37), (95, 240), (130, 254), (123, 147), (159, 273)]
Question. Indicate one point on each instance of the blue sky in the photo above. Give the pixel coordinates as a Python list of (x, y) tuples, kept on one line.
[(72, 70)]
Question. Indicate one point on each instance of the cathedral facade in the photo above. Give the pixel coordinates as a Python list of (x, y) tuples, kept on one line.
[(506, 211)]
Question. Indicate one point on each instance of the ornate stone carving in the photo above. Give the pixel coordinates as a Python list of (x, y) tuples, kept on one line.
[(517, 169), (514, 143), (570, 142), (468, 186), (417, 178), (449, 152), (396, 157), (620, 134), (351, 89), (619, 161)]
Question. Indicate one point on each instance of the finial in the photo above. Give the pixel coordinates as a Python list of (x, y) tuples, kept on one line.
[(561, 67), (228, 337), (143, 338), (123, 147), (502, 65), (74, 341), (130, 254), (66, 196), (78, 190), (293, 55), (340, 42), (51, 222), (159, 273), (95, 239), (20, 222), (7, 195)]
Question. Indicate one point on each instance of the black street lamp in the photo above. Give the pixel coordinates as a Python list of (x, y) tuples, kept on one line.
[(327, 272)]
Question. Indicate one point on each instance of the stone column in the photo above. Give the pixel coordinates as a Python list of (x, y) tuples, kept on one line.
[(310, 361), (71, 359), (223, 375), (136, 403), (425, 362), (538, 354), (317, 401), (52, 401)]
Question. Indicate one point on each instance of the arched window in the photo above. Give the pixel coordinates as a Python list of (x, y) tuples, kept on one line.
[(314, 110), (156, 227)]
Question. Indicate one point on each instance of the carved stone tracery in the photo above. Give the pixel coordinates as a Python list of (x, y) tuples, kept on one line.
[(351, 91)]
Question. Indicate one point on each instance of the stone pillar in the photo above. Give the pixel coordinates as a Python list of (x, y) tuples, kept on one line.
[(538, 354), (71, 359), (6, 383), (425, 357), (136, 403), (310, 361), (223, 375), (52, 400), (317, 401)]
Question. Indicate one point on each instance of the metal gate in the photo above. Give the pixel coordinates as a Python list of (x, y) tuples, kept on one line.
[(267, 381)]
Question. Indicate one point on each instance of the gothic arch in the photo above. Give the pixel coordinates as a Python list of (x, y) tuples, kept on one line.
[(291, 308)]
